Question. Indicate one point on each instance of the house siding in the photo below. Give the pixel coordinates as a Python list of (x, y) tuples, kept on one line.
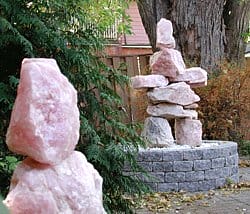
[(139, 36)]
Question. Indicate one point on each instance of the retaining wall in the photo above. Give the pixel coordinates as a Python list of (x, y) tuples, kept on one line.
[(192, 169)]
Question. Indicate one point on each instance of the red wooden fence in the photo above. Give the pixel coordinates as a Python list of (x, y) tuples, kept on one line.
[(135, 101)]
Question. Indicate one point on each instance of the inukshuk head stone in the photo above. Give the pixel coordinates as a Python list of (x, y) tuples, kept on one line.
[(164, 33), (44, 126)]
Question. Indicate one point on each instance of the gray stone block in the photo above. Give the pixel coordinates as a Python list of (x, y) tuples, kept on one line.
[(183, 166), (234, 148), (193, 154), (202, 164), (147, 166), (188, 186), (207, 185), (173, 177), (220, 182), (140, 156), (136, 175), (233, 170), (232, 160), (162, 166), (167, 187), (211, 153), (172, 155), (216, 173), (156, 177), (152, 186), (194, 176), (235, 178), (225, 151), (153, 155), (218, 162)]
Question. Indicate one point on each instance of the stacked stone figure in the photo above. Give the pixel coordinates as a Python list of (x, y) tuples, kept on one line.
[(45, 126), (170, 94)]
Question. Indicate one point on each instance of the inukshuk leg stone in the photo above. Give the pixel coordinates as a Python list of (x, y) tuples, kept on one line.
[(158, 132), (188, 131), (44, 126), (176, 100)]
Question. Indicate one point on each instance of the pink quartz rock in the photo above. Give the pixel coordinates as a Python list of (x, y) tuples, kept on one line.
[(170, 111), (188, 132), (177, 93), (148, 81), (165, 37), (72, 187), (195, 77), (44, 122), (191, 106), (167, 62)]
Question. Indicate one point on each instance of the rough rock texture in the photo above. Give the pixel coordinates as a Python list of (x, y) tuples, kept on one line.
[(72, 187), (165, 37), (177, 93), (188, 132), (44, 122), (148, 81), (195, 77), (167, 62), (170, 111), (191, 106), (158, 132)]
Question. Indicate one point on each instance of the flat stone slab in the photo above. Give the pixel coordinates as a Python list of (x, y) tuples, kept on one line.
[(148, 81), (177, 93), (195, 77), (191, 106), (170, 111)]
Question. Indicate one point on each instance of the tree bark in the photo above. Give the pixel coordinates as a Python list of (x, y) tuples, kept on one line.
[(236, 15), (199, 27), (198, 30), (151, 11)]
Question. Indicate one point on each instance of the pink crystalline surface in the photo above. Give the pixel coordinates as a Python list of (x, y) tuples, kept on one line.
[(44, 123), (167, 62), (164, 33), (72, 187)]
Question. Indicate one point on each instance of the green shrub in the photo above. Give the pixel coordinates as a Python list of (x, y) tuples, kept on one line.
[(244, 147), (61, 30)]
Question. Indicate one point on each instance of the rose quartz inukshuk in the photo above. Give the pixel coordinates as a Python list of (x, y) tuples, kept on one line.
[(45, 126), (170, 94)]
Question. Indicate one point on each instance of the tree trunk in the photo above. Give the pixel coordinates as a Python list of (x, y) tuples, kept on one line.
[(198, 31), (199, 27), (236, 15), (151, 11)]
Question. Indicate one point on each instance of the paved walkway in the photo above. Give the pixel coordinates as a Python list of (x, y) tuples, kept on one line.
[(235, 201)]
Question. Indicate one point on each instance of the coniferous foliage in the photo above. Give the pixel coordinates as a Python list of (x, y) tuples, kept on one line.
[(61, 30)]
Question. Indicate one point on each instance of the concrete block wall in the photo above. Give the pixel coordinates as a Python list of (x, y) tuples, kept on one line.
[(193, 169)]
